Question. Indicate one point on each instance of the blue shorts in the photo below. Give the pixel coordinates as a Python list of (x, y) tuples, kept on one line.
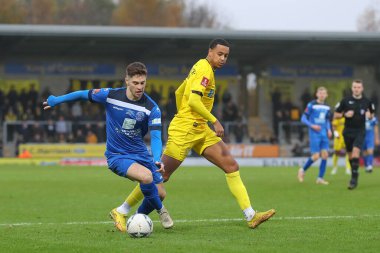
[(369, 142), (119, 164), (318, 143)]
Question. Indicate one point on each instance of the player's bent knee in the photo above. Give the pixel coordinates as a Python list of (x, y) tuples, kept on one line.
[(231, 167), (146, 178)]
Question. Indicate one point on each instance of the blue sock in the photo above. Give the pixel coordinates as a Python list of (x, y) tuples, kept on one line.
[(370, 160), (151, 199), (145, 207), (365, 158), (308, 164), (322, 168)]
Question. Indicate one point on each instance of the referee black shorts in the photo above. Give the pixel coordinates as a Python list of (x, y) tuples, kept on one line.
[(353, 138)]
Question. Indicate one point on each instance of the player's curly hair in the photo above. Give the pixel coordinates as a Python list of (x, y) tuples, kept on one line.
[(218, 41), (136, 68)]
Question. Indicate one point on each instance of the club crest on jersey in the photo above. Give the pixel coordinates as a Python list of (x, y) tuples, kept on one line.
[(95, 91), (205, 82), (140, 116)]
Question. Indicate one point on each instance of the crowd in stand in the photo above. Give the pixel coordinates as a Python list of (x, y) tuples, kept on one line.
[(83, 122)]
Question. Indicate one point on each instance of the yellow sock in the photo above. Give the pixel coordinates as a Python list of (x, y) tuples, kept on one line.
[(348, 165), (335, 161), (135, 196), (238, 189)]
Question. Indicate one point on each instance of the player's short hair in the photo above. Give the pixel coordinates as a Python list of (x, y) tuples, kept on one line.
[(358, 81), (218, 41), (321, 88), (136, 68)]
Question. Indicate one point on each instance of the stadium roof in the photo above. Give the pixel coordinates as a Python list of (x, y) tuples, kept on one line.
[(248, 47)]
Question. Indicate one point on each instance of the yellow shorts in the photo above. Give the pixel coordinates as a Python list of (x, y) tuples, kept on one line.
[(184, 135), (339, 144)]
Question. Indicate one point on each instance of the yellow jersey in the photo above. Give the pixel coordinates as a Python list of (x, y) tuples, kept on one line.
[(200, 80), (338, 125)]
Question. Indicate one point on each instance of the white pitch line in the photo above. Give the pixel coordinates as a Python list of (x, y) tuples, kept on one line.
[(200, 220)]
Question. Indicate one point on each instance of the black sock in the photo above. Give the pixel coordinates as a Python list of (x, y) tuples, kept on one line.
[(355, 168)]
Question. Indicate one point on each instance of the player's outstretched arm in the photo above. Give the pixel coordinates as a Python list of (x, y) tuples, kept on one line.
[(73, 96)]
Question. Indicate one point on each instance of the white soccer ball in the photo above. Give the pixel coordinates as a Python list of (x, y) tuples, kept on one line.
[(139, 225)]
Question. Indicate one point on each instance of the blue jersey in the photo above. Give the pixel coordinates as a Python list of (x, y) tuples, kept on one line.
[(127, 121), (318, 114), (370, 125)]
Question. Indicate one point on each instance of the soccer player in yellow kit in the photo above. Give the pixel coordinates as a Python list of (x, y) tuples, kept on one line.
[(189, 130), (339, 146)]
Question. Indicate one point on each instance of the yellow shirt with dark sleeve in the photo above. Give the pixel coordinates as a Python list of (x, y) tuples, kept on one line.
[(338, 125), (195, 96)]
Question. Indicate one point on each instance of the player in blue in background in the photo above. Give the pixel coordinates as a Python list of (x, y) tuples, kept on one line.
[(371, 138), (130, 114), (317, 117)]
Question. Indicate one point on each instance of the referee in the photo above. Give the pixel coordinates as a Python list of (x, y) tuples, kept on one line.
[(354, 109)]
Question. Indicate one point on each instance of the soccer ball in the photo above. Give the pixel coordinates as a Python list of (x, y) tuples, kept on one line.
[(139, 225)]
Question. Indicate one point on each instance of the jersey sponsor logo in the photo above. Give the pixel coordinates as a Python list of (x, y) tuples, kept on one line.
[(129, 123), (156, 121), (205, 81), (140, 116)]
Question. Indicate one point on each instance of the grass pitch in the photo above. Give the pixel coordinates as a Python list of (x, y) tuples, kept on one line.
[(65, 209)]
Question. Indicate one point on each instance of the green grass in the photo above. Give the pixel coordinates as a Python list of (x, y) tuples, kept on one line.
[(49, 199)]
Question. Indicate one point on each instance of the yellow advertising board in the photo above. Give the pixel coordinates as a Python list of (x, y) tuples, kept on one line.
[(63, 150), (59, 151), (18, 85)]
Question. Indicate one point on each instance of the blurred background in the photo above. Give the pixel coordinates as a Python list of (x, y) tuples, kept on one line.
[(281, 51)]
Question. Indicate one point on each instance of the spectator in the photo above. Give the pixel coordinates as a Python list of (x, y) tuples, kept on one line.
[(23, 98), (25, 132), (33, 95), (155, 95), (239, 130), (61, 127), (100, 132), (10, 115), (76, 111), (80, 138), (37, 132), (170, 109), (91, 137), (12, 95), (50, 130)]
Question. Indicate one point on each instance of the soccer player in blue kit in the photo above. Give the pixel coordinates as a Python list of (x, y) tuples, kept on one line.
[(317, 117), (130, 114), (371, 138)]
